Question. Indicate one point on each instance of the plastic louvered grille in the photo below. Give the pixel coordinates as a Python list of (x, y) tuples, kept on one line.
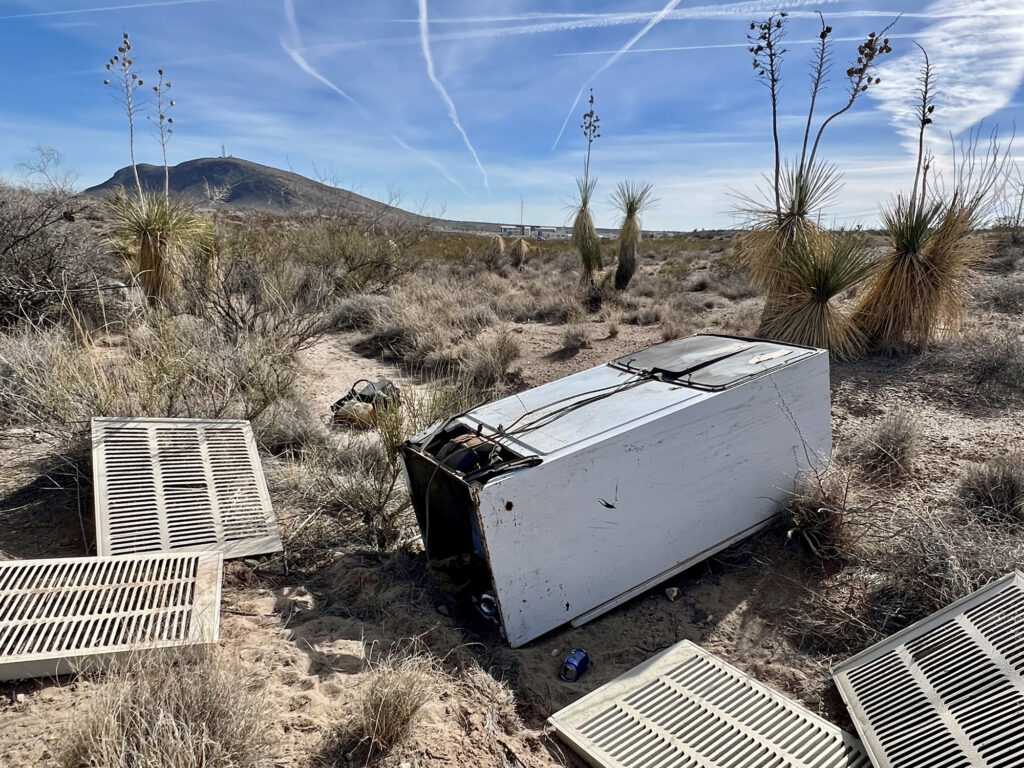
[(71, 608), (167, 484), (948, 693), (703, 713)]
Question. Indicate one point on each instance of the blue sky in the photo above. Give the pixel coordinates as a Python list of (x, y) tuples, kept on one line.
[(459, 105)]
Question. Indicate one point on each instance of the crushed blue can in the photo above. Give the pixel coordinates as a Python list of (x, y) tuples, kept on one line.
[(574, 666)]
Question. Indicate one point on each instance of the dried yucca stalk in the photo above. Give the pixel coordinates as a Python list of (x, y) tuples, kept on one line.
[(631, 198), (519, 251), (816, 273)]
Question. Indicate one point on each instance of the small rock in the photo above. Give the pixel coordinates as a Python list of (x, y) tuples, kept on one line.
[(19, 697), (673, 593), (699, 615), (555, 652), (443, 609)]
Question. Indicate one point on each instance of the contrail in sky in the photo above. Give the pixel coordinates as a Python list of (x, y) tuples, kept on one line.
[(160, 3), (425, 44), (294, 51), (611, 60)]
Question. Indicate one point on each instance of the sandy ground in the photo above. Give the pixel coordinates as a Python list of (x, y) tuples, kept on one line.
[(304, 640)]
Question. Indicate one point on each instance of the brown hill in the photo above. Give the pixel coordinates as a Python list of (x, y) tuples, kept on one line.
[(233, 183)]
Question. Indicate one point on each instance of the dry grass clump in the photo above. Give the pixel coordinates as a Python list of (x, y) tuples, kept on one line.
[(397, 687), (889, 449), (576, 337), (995, 488), (175, 708), (359, 312), (493, 256), (989, 360), (645, 315), (170, 366), (1003, 293), (486, 365)]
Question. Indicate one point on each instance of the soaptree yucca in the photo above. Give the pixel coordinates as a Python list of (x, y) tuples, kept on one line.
[(631, 198), (152, 232), (922, 286), (819, 270), (519, 251), (765, 246), (788, 220), (584, 233), (924, 279)]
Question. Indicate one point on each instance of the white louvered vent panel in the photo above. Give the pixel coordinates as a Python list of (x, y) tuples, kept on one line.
[(686, 708), (948, 691), (56, 615), (180, 484)]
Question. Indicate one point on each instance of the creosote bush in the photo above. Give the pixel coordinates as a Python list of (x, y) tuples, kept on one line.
[(173, 708)]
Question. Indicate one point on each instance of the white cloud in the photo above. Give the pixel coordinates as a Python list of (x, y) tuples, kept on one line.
[(977, 54)]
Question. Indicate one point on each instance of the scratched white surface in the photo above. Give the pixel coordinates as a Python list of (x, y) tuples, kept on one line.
[(653, 480)]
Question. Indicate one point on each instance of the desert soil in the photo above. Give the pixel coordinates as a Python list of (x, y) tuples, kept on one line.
[(306, 639)]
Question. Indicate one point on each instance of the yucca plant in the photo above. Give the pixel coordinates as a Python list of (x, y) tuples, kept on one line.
[(631, 198), (923, 284), (584, 233), (519, 251), (764, 247), (152, 232), (924, 279), (818, 271)]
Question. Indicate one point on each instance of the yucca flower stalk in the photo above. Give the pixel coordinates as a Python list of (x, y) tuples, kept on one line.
[(584, 234), (152, 233), (631, 198), (818, 272)]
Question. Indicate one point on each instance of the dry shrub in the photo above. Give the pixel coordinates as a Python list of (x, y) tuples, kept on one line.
[(576, 337), (990, 361), (889, 449), (817, 514), (939, 558), (171, 367), (486, 364), (398, 685), (995, 488), (175, 708), (47, 259)]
